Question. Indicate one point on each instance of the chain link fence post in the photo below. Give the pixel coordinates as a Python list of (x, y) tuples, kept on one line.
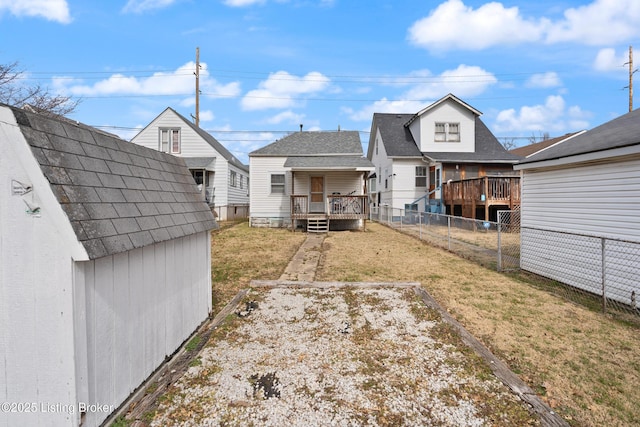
[(603, 275)]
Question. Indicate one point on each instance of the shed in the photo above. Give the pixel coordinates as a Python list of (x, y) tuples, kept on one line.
[(104, 267), (580, 209)]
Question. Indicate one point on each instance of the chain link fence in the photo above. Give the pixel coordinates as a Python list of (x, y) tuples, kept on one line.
[(594, 271), (492, 244)]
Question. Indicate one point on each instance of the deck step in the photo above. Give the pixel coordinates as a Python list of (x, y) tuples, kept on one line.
[(318, 225)]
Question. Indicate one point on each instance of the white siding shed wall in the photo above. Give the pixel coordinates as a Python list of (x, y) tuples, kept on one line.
[(36, 301), (596, 200), (138, 308), (566, 214)]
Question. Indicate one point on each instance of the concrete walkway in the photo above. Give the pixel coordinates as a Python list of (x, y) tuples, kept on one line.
[(302, 267)]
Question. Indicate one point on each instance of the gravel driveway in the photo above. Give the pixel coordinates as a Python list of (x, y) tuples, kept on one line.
[(337, 356)]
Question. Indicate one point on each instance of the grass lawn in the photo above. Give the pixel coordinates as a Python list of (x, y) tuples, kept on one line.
[(584, 364)]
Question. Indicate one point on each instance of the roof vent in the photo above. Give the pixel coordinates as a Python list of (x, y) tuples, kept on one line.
[(301, 127)]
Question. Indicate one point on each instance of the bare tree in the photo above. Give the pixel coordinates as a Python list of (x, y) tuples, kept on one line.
[(508, 143), (37, 97)]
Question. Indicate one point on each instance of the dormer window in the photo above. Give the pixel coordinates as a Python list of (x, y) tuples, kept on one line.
[(447, 132)]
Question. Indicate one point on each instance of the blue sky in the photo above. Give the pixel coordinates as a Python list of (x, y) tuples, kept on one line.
[(267, 66)]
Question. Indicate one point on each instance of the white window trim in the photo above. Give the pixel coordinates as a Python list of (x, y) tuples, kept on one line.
[(282, 185), (445, 135), (170, 131)]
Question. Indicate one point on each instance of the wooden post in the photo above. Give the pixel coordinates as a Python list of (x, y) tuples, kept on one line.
[(486, 198)]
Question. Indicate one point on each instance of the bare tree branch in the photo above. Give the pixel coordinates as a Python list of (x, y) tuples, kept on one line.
[(14, 92)]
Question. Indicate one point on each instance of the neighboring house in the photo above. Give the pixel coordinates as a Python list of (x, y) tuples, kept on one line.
[(531, 149), (104, 268), (580, 213), (415, 154), (223, 179), (311, 180)]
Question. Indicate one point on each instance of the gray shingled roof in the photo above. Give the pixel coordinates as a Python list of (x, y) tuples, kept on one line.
[(213, 142), (328, 162), (117, 195), (621, 132), (321, 143), (200, 162), (398, 142)]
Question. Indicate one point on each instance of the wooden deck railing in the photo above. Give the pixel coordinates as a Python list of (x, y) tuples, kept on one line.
[(485, 190), (336, 207)]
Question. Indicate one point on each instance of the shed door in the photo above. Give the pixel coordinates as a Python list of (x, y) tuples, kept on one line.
[(316, 195)]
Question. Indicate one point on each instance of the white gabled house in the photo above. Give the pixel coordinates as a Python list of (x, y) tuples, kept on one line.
[(580, 213), (223, 179), (104, 267), (310, 180), (416, 154)]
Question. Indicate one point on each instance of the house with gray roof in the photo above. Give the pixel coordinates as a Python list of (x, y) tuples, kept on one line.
[(531, 149), (104, 267), (416, 154), (580, 212), (221, 176), (315, 181)]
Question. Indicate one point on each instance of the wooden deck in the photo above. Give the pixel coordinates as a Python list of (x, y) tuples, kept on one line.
[(337, 207), (484, 192)]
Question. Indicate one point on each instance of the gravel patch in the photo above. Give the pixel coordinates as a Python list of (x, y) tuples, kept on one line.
[(336, 357)]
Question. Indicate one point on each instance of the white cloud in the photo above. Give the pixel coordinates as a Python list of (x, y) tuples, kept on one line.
[(384, 106), (207, 116), (598, 23), (464, 81), (281, 88), (544, 80), (453, 25), (242, 3), (53, 10), (140, 6), (286, 117), (607, 60), (551, 117), (180, 83)]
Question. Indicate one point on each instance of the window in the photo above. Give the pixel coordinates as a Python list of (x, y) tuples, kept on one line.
[(170, 141), (421, 176), (241, 181), (438, 176), (447, 132), (232, 178), (454, 132), (277, 183), (441, 134), (379, 174)]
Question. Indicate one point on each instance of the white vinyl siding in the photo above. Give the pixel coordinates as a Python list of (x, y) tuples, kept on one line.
[(598, 200), (449, 127), (140, 306), (264, 203)]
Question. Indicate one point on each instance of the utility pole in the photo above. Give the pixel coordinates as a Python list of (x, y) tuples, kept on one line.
[(631, 71), (197, 87)]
